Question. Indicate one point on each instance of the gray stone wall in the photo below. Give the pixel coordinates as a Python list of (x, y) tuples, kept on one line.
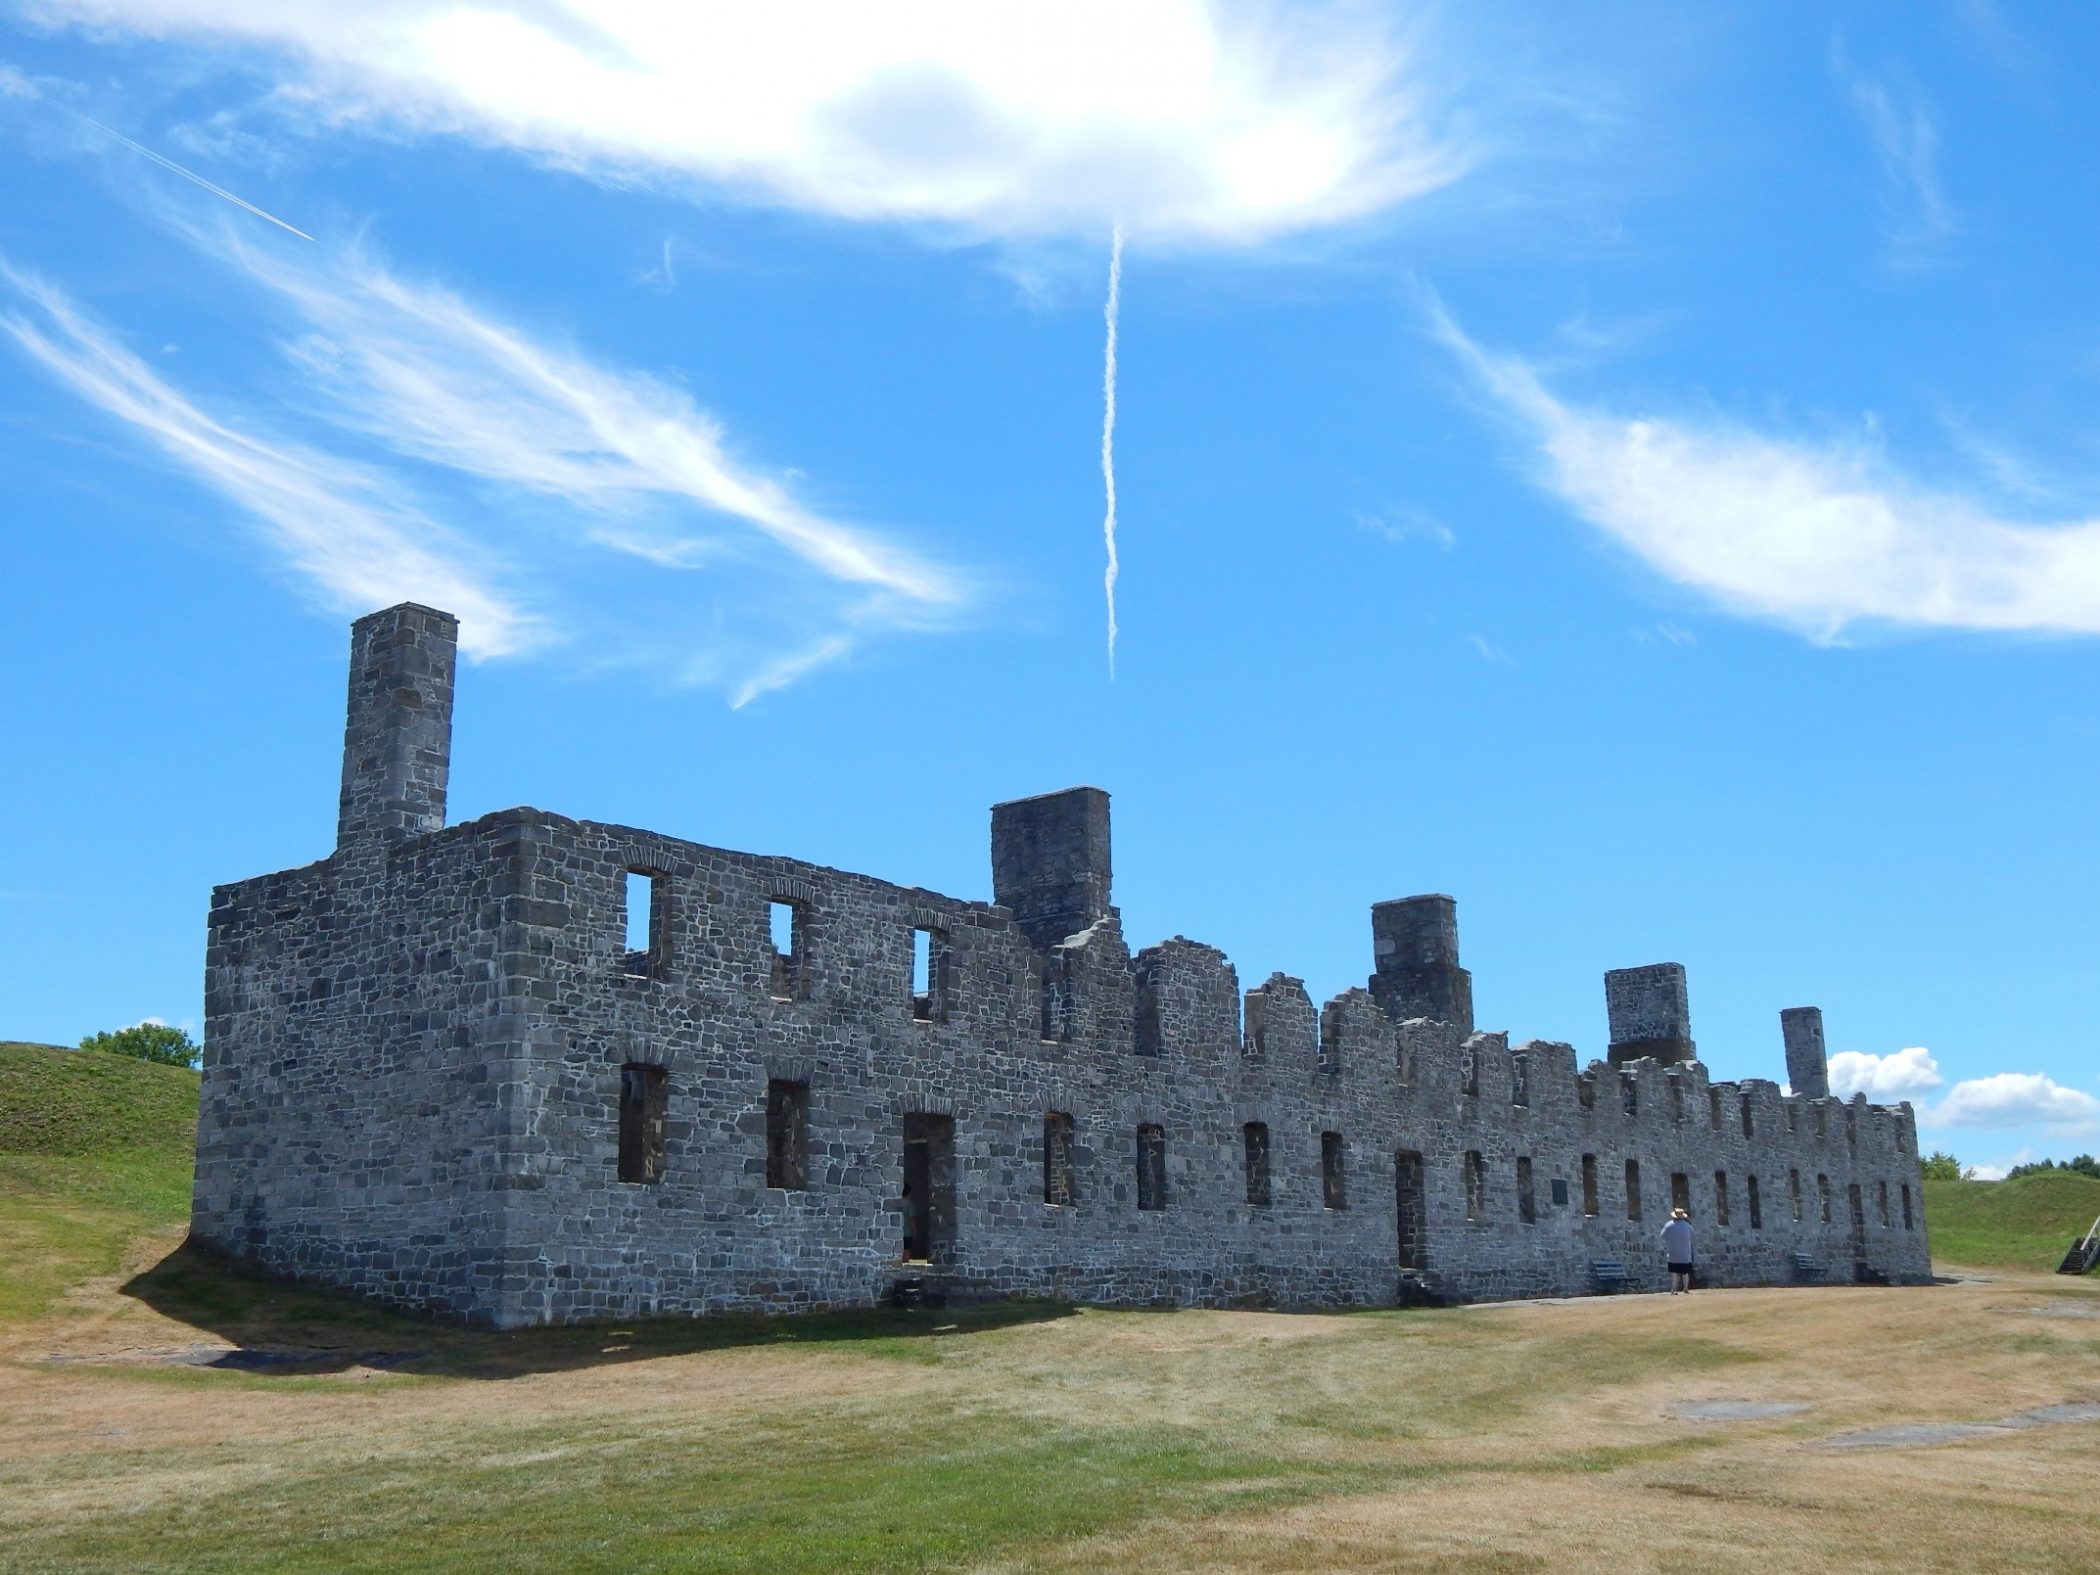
[(415, 1055)]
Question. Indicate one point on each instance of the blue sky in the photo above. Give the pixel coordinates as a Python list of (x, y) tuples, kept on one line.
[(1633, 470)]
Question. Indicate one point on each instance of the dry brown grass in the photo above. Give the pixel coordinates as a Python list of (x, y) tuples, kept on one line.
[(1519, 1437)]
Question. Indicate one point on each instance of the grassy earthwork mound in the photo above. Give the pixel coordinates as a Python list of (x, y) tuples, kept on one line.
[(94, 1150), (2021, 1224)]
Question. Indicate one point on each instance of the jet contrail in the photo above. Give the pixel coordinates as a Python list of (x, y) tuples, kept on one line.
[(1108, 435), (25, 88), (189, 175)]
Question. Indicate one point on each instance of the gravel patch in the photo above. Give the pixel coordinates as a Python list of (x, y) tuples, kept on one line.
[(1735, 1410)]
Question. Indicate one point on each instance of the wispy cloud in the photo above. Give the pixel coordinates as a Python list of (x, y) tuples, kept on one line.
[(1491, 652), (346, 529), (420, 369), (1906, 143), (652, 544), (1404, 524), (1187, 120), (1817, 536)]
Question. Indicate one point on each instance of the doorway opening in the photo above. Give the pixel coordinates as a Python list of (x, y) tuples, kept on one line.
[(929, 1187)]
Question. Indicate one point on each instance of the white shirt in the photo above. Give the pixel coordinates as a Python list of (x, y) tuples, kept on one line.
[(1677, 1240)]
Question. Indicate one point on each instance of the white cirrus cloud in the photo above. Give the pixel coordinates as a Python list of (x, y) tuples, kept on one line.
[(1906, 142), (1815, 536), (1185, 120), (1902, 1074), (547, 499), (2016, 1099), (345, 528)]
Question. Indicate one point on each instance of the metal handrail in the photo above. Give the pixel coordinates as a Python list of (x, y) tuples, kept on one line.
[(2087, 1240)]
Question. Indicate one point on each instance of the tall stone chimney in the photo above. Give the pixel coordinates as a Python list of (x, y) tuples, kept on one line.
[(1414, 942), (1050, 863), (1650, 1014), (1807, 1068), (397, 735)]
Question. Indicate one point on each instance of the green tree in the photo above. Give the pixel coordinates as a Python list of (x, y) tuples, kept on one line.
[(1939, 1165), (155, 1042)]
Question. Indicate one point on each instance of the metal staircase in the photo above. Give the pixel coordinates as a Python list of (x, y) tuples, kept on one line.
[(2084, 1253)]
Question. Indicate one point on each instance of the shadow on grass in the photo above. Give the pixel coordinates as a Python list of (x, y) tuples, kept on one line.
[(300, 1331)]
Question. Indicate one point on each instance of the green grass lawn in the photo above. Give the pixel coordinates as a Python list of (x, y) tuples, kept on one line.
[(2021, 1224)]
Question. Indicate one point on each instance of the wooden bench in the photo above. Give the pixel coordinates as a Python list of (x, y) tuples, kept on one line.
[(1610, 1274), (1805, 1267)]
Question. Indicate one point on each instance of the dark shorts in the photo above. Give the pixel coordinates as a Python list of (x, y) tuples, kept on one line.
[(1679, 1268)]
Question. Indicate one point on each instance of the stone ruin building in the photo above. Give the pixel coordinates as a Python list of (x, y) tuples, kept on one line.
[(529, 1070)]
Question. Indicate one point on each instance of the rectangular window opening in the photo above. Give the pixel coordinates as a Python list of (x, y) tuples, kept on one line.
[(1630, 1093), (642, 933), (644, 1091), (1713, 1108), (1908, 1223), (1412, 1208), (1151, 1166), (1757, 1206), (1749, 1124), (1680, 1191), (1589, 1185), (1058, 1188), (1334, 1190), (787, 1134), (1254, 1141), (786, 928), (1527, 1202), (1823, 1196), (1881, 1189), (929, 975), (1560, 1192), (1586, 1091), (1720, 1197), (1520, 1080), (1793, 1187), (1633, 1189), (1476, 1186)]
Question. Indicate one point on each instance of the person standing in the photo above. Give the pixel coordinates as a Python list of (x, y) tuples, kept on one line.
[(1677, 1247)]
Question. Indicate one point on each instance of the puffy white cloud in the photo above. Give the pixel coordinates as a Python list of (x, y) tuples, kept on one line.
[(1902, 1074), (1186, 120), (2016, 1099), (1816, 537)]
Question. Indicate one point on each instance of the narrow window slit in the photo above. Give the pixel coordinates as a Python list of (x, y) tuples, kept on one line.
[(1254, 1140), (643, 1096), (787, 1134), (1151, 1167), (1058, 1188)]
